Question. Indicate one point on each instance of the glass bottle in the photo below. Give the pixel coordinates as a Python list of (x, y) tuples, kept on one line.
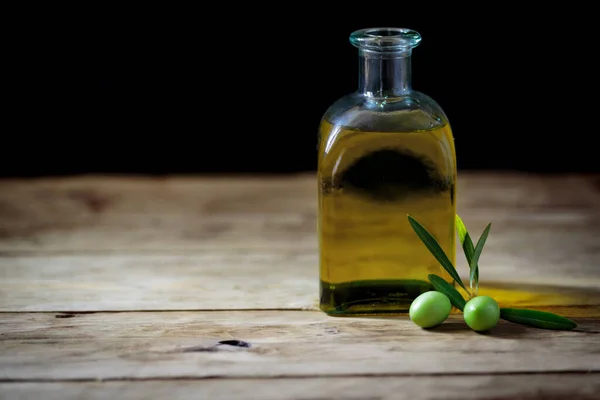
[(385, 151)]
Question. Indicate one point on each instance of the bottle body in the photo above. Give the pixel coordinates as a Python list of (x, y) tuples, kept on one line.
[(379, 161), (385, 152)]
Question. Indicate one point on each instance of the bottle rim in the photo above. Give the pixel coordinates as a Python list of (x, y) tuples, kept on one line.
[(385, 39)]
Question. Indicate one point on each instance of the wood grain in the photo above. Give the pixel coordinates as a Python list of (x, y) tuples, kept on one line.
[(157, 214), (213, 280), (496, 387), (168, 345)]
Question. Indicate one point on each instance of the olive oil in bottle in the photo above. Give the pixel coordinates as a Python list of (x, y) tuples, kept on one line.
[(385, 152)]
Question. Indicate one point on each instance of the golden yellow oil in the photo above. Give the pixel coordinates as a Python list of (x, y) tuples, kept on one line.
[(371, 260)]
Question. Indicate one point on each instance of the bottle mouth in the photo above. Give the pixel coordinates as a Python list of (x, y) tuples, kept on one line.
[(385, 39)]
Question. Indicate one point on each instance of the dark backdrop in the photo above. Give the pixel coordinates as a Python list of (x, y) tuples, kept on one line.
[(242, 89)]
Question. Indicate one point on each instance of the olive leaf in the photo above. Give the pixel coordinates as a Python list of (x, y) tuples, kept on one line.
[(535, 318), (444, 287), (462, 230), (474, 263), (469, 249), (435, 249)]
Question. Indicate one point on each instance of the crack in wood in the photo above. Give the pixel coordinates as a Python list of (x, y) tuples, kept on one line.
[(64, 315), (215, 347)]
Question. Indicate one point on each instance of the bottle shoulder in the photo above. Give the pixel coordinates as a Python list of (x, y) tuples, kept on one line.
[(411, 112)]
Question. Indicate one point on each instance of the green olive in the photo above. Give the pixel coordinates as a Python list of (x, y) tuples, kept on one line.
[(430, 309), (481, 313)]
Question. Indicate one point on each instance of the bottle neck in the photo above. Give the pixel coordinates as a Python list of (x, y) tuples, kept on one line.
[(384, 75)]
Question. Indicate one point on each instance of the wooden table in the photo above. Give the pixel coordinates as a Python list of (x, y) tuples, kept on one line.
[(123, 288)]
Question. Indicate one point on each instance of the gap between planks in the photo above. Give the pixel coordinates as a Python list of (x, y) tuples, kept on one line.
[(68, 313), (586, 372), (60, 314), (531, 387)]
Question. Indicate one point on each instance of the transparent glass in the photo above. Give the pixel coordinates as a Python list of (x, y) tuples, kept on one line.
[(385, 151)]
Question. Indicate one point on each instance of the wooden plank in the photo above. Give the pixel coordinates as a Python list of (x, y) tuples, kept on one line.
[(530, 387), (218, 280), (111, 214), (182, 345), (196, 213), (93, 244), (215, 280)]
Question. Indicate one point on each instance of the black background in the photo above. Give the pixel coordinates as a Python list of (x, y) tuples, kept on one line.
[(242, 89)]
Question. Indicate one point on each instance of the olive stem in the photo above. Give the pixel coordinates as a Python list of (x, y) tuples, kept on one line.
[(469, 294)]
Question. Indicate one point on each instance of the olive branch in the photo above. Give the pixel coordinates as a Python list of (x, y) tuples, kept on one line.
[(535, 318)]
